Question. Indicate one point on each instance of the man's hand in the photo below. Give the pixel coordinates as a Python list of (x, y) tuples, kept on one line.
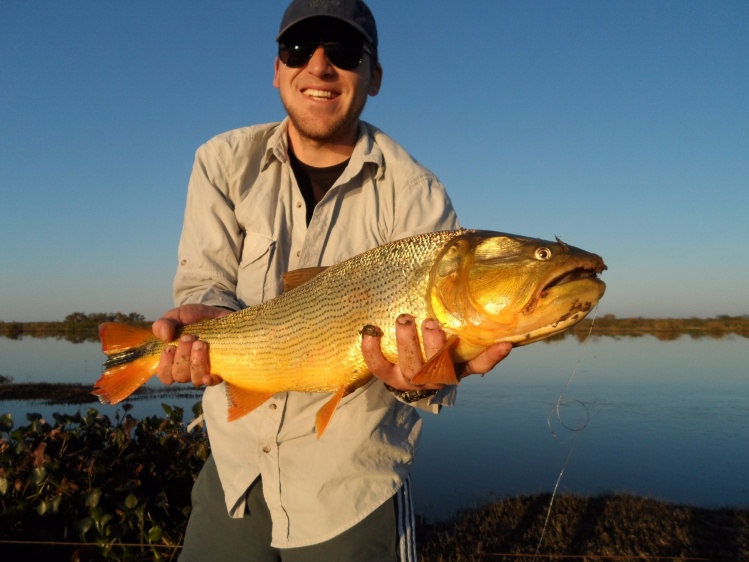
[(188, 361), (410, 359)]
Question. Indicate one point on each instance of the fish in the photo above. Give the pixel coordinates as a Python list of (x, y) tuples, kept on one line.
[(483, 287)]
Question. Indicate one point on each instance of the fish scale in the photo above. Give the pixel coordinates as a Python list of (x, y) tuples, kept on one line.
[(336, 304), (482, 287)]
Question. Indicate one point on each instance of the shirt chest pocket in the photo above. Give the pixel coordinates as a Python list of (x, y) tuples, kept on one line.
[(254, 281)]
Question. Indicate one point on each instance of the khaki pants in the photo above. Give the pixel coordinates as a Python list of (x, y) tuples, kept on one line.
[(386, 535)]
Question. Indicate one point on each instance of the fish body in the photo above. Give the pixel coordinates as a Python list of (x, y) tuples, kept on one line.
[(483, 287)]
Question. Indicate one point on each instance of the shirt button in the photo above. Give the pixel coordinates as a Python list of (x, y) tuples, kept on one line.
[(273, 406), (266, 449), (298, 204), (299, 253), (183, 262)]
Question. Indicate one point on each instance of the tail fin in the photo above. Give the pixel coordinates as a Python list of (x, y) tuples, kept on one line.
[(133, 354)]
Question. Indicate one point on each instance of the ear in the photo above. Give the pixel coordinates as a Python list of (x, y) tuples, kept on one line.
[(276, 65), (375, 80)]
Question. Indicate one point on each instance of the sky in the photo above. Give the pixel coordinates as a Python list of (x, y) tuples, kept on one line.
[(621, 126)]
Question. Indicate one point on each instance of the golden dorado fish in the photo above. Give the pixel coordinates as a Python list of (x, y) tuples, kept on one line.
[(482, 287)]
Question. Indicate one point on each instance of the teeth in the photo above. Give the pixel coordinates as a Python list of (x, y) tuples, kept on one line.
[(323, 94)]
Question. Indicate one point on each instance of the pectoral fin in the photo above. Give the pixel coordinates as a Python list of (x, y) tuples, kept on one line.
[(440, 368), (325, 413), (242, 402)]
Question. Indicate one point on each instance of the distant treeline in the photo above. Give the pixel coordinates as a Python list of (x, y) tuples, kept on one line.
[(662, 328), (79, 327)]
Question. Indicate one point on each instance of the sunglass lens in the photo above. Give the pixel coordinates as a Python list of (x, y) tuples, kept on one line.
[(345, 57), (295, 55)]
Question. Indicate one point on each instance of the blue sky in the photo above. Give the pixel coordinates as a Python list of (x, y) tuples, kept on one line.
[(621, 126)]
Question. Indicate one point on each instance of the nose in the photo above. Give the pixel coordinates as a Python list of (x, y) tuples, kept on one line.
[(319, 64)]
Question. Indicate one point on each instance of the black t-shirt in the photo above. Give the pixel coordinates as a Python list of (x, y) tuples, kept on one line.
[(313, 182)]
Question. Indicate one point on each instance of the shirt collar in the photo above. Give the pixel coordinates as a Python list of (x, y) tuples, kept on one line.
[(365, 151)]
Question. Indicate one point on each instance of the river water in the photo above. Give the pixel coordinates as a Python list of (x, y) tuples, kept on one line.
[(664, 419)]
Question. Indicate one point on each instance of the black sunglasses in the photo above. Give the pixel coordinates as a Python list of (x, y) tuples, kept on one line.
[(343, 55)]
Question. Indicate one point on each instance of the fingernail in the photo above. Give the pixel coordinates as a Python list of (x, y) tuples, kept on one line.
[(187, 338), (370, 330), (430, 324), (404, 320), (198, 345)]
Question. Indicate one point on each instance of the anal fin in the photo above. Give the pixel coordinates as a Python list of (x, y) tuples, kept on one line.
[(325, 414), (242, 401), (440, 368)]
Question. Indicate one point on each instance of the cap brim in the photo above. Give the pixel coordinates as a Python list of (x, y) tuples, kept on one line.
[(358, 28)]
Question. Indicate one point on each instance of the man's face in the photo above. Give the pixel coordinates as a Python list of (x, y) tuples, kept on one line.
[(323, 101)]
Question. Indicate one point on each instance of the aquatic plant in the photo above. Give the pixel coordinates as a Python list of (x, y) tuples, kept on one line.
[(110, 490)]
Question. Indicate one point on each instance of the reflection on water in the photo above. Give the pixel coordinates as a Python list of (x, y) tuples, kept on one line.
[(666, 420), (662, 419)]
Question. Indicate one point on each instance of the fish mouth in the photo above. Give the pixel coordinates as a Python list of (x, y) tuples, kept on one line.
[(572, 279), (577, 273)]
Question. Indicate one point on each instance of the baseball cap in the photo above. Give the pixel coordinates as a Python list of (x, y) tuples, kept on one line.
[(354, 12)]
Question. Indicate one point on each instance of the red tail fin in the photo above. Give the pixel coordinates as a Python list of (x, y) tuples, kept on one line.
[(119, 382), (117, 337), (133, 354)]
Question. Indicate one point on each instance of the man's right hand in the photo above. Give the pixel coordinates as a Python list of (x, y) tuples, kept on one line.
[(188, 361)]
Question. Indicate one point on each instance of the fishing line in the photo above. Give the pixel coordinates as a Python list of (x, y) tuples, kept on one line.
[(557, 408)]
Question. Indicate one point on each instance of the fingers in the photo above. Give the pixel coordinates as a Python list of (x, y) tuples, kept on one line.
[(166, 327), (187, 361), (372, 354), (486, 361), (434, 337), (410, 360)]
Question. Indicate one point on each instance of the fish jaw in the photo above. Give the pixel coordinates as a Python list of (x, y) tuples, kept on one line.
[(560, 308), (493, 287)]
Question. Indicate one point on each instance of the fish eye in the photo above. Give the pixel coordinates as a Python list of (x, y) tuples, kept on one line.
[(543, 253)]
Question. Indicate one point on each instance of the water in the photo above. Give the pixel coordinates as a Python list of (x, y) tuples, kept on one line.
[(664, 419), (59, 361)]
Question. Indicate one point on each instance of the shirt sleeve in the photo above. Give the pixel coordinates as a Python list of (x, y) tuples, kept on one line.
[(211, 241), (424, 206)]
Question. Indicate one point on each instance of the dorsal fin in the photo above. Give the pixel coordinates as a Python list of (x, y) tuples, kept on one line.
[(292, 279)]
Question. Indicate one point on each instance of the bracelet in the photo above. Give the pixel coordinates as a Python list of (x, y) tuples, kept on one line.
[(410, 396)]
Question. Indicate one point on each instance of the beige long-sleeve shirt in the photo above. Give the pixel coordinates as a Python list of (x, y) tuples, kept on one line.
[(245, 225)]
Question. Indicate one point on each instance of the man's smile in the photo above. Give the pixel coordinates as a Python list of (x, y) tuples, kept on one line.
[(319, 94)]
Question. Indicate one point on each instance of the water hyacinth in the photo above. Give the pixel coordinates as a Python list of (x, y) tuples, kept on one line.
[(110, 490)]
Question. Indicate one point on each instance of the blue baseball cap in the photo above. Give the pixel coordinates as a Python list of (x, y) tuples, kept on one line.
[(353, 12)]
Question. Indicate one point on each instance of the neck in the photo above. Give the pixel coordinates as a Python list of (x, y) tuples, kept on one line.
[(322, 153)]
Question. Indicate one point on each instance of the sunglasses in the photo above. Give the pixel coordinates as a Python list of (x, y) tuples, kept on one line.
[(345, 56)]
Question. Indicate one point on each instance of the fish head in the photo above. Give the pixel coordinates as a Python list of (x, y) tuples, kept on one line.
[(489, 287)]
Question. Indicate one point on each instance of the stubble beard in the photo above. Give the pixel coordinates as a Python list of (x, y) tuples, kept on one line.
[(325, 131)]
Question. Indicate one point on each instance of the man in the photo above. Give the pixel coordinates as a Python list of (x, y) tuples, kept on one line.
[(318, 188)]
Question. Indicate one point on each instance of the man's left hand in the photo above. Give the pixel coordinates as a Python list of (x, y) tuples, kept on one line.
[(411, 359)]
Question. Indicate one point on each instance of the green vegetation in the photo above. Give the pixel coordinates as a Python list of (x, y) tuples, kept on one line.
[(104, 485), (663, 328), (77, 327), (87, 488)]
